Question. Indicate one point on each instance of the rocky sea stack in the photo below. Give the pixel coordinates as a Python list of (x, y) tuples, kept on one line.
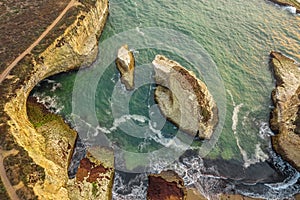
[(184, 99), (125, 64), (285, 117)]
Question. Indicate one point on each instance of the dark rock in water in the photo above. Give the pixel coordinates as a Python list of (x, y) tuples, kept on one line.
[(285, 116), (259, 172), (125, 64), (166, 186), (184, 99)]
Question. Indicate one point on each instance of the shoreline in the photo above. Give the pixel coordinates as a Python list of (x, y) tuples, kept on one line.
[(72, 43)]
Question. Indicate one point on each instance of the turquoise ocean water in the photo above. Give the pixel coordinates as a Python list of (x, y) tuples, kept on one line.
[(238, 36)]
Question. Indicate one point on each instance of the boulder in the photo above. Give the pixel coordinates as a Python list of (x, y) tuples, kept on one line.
[(95, 175), (125, 63), (183, 99), (285, 116)]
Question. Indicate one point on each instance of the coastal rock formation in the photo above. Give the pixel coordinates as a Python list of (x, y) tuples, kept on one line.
[(95, 170), (293, 3), (184, 99), (165, 186), (125, 64), (285, 117), (169, 186), (71, 44)]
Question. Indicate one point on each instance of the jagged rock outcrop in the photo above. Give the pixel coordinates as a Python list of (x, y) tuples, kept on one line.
[(165, 186), (95, 170), (285, 117), (294, 3), (125, 63), (71, 44), (184, 99)]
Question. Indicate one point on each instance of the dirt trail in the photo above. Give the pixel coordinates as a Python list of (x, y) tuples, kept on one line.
[(11, 191), (29, 49), (9, 188)]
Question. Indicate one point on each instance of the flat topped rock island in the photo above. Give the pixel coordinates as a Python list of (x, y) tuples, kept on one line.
[(183, 99)]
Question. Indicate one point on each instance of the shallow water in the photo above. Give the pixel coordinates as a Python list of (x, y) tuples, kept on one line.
[(236, 36)]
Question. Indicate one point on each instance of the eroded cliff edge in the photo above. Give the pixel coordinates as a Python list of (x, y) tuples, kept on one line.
[(285, 117), (70, 45)]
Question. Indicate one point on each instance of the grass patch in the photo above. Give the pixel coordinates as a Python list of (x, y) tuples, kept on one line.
[(38, 115)]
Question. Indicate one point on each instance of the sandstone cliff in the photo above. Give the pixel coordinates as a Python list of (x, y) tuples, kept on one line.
[(125, 64), (166, 185), (285, 117), (94, 172), (71, 44), (184, 99)]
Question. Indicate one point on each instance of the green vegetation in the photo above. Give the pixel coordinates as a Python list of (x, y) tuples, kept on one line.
[(94, 188), (38, 115)]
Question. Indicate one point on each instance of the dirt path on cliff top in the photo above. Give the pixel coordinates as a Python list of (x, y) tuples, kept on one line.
[(28, 50), (9, 188)]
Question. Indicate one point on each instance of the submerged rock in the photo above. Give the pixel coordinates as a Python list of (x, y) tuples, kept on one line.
[(125, 64), (184, 99), (95, 175), (165, 186), (285, 117)]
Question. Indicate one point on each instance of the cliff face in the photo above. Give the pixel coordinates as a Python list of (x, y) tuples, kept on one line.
[(71, 45), (95, 171), (285, 116), (184, 99), (166, 185)]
